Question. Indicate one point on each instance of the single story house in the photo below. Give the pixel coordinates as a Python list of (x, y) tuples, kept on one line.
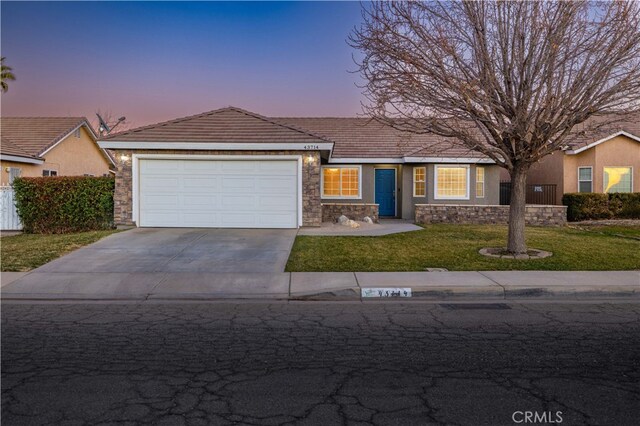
[(234, 168), (608, 162), (50, 146)]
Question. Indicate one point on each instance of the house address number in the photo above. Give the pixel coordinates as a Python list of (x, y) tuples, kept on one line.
[(387, 292), (312, 147)]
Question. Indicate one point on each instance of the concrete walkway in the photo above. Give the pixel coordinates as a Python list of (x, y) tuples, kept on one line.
[(385, 227), (495, 285)]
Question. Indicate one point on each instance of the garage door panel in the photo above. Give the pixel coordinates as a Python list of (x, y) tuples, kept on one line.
[(271, 220), (204, 167), (198, 220), (238, 202), (202, 182), (161, 201), (275, 203), (161, 219), (160, 166), (231, 167), (218, 193), (239, 220), (275, 185), (246, 185), (162, 184), (196, 201)]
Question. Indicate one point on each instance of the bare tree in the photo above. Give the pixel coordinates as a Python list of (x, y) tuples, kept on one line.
[(512, 80)]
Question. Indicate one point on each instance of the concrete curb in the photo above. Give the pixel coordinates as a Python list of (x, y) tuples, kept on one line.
[(334, 286)]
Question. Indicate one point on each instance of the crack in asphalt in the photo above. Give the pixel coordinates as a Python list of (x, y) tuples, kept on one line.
[(325, 364)]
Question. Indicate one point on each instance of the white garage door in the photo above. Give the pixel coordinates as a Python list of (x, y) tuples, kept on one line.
[(218, 193)]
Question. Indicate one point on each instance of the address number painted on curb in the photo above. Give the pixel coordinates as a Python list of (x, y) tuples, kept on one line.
[(386, 292)]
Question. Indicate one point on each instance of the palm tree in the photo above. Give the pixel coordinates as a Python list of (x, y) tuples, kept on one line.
[(5, 75)]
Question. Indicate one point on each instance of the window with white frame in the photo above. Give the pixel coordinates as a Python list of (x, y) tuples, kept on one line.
[(340, 182), (14, 172), (479, 182), (618, 179), (419, 181), (49, 173), (585, 179), (451, 182)]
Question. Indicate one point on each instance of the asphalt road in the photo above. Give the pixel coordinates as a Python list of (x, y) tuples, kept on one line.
[(320, 364)]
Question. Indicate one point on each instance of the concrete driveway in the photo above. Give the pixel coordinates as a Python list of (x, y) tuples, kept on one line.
[(167, 263), (182, 250)]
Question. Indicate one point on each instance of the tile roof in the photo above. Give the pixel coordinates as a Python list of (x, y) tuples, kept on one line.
[(7, 147), (228, 125), (352, 137), (577, 140), (365, 138), (34, 135)]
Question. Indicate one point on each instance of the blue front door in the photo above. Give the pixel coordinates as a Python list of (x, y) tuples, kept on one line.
[(386, 191)]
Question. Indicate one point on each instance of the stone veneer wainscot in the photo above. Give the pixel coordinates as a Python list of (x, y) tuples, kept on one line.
[(539, 215), (311, 208), (354, 211)]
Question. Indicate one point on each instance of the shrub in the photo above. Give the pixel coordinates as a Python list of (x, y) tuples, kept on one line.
[(57, 205), (584, 206), (625, 205), (591, 206)]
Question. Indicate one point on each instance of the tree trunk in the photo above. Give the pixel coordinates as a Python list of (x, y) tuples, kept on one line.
[(516, 243)]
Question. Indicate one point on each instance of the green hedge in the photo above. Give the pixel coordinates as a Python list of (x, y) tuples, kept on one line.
[(591, 206), (57, 205)]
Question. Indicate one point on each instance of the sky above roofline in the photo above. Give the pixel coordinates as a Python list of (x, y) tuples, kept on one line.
[(155, 61)]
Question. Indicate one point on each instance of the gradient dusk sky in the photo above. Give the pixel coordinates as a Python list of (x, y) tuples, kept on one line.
[(154, 61)]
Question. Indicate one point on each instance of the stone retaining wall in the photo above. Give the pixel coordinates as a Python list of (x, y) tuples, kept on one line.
[(332, 211), (538, 215)]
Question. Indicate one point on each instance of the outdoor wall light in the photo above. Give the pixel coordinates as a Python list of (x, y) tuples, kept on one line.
[(124, 158), (311, 159)]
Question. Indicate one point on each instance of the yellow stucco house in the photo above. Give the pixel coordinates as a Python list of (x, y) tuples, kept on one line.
[(50, 146)]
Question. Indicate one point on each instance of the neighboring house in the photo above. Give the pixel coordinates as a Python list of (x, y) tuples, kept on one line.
[(50, 146), (235, 168), (607, 163)]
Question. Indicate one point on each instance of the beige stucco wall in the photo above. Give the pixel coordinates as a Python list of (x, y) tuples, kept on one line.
[(71, 157), (620, 151)]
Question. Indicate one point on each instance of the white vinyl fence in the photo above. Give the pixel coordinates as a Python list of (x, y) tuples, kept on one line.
[(9, 220)]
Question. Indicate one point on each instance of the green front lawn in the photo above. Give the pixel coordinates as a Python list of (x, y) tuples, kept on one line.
[(455, 247), (28, 251)]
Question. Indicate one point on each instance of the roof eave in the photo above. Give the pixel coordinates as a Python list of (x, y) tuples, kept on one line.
[(21, 159)]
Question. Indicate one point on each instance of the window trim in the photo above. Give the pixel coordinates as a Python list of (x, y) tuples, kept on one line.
[(424, 181), (587, 167), (484, 175), (339, 197), (450, 166), (614, 167)]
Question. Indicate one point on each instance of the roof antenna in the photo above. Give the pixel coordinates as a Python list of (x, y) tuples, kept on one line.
[(104, 128)]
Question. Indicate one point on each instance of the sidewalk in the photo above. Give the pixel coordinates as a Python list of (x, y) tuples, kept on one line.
[(353, 286)]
